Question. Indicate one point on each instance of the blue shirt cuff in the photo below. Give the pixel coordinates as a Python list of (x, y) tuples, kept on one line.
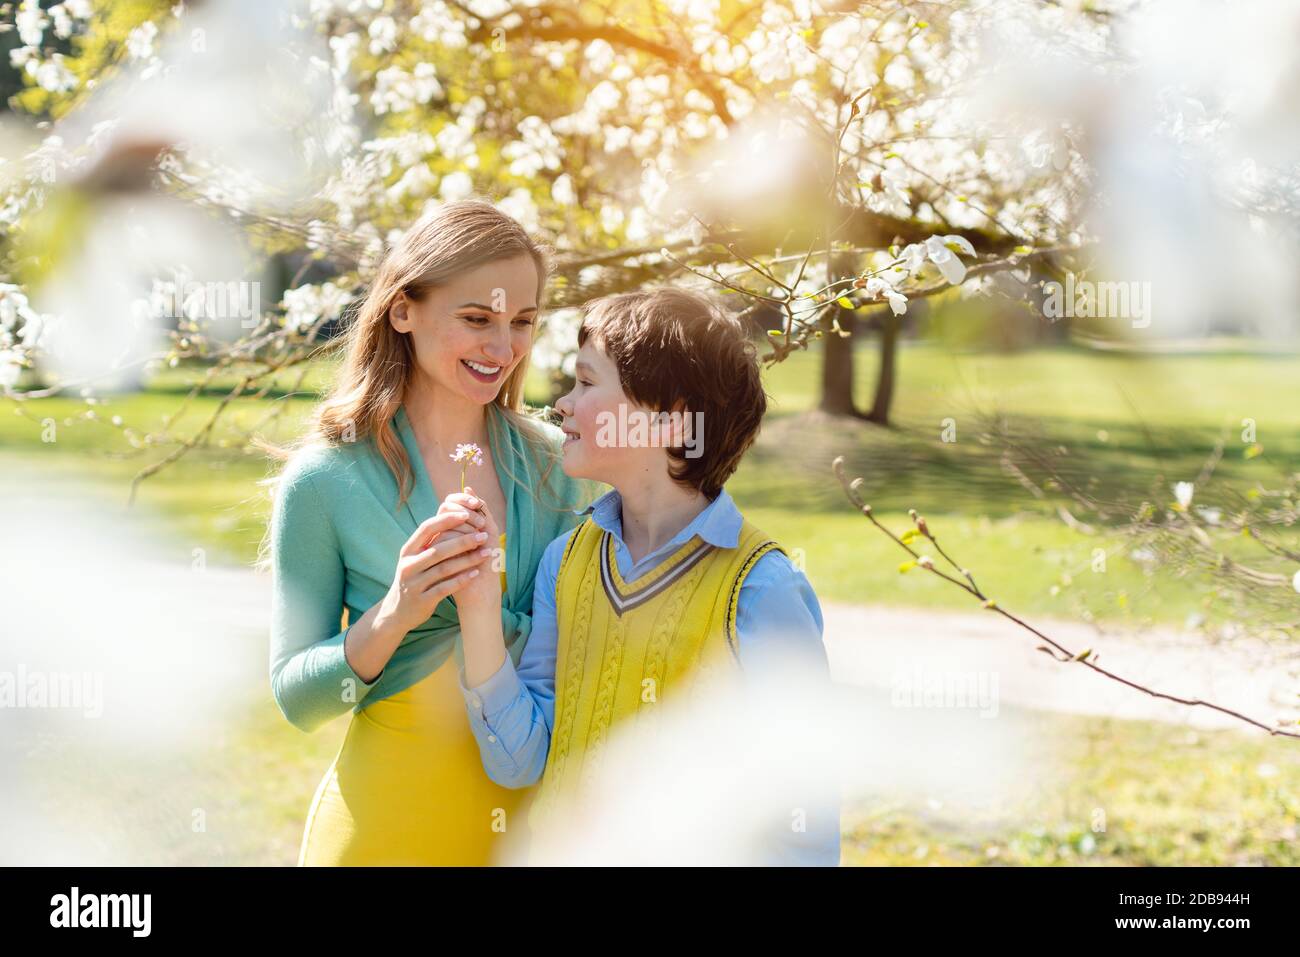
[(494, 694)]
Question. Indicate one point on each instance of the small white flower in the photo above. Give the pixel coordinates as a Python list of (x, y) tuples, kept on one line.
[(468, 452), (953, 269), (1183, 493), (938, 250), (1295, 582), (877, 287)]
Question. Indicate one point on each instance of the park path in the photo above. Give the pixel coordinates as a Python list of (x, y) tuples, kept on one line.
[(873, 647), (903, 648), (883, 648)]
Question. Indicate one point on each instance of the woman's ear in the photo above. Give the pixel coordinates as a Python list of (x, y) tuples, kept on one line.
[(399, 313)]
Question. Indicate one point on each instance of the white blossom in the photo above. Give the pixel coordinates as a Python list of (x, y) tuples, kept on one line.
[(10, 368), (519, 205), (304, 305), (937, 250), (455, 186), (383, 35), (877, 287), (31, 23), (562, 190), (139, 42), (396, 90)]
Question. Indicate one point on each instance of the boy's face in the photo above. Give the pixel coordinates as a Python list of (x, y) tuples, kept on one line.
[(601, 442)]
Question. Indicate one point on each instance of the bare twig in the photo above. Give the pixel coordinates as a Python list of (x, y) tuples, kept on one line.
[(1064, 654)]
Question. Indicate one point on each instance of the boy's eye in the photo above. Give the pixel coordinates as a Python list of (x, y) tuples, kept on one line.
[(584, 382), (524, 321), (476, 318)]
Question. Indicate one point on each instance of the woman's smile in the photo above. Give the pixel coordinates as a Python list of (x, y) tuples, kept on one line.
[(482, 371)]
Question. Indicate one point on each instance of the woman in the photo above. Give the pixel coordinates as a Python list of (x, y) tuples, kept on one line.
[(365, 566)]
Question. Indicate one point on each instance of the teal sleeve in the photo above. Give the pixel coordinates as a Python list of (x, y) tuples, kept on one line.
[(310, 676)]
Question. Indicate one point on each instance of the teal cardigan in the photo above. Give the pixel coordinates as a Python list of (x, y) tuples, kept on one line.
[(336, 530)]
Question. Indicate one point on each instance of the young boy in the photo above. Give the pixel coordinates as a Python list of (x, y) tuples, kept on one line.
[(665, 580)]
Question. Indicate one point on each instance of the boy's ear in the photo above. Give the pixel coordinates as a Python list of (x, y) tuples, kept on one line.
[(675, 427)]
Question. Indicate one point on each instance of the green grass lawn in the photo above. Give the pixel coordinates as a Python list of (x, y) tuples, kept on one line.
[(1128, 424), (1105, 792)]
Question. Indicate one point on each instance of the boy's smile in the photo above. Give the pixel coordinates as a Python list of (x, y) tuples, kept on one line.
[(596, 393)]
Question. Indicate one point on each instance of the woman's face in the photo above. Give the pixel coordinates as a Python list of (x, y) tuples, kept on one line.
[(469, 334)]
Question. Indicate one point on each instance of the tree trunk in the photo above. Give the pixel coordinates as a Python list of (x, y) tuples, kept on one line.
[(837, 354), (884, 399), (837, 370)]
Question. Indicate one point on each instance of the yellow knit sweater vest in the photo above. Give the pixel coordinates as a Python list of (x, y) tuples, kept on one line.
[(624, 647)]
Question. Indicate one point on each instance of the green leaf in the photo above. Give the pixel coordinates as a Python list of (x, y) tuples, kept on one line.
[(845, 302), (906, 566)]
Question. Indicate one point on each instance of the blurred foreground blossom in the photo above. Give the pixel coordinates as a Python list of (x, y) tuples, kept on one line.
[(723, 780), (232, 104), (121, 657), (1187, 117)]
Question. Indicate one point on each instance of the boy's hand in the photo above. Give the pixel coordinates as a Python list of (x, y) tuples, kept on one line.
[(484, 591)]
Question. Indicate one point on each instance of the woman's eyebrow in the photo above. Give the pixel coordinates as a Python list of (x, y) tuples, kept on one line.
[(479, 305)]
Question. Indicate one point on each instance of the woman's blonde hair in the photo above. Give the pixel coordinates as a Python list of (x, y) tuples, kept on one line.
[(379, 360)]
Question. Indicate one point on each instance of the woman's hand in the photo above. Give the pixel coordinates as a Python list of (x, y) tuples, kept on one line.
[(478, 604), (435, 562), (483, 593)]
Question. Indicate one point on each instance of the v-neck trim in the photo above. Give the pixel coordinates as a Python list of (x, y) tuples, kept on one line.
[(624, 595)]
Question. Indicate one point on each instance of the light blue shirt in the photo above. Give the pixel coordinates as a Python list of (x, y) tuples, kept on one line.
[(777, 614)]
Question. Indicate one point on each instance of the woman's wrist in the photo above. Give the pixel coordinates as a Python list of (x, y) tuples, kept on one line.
[(385, 623)]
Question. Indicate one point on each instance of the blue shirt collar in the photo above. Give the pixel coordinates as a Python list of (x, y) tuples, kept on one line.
[(719, 524)]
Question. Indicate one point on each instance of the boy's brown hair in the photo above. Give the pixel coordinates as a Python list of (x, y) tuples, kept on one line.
[(677, 351)]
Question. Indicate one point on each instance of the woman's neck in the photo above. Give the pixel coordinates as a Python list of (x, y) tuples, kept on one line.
[(442, 420), (654, 510)]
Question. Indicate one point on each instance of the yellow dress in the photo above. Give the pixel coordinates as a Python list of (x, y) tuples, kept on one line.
[(408, 786)]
